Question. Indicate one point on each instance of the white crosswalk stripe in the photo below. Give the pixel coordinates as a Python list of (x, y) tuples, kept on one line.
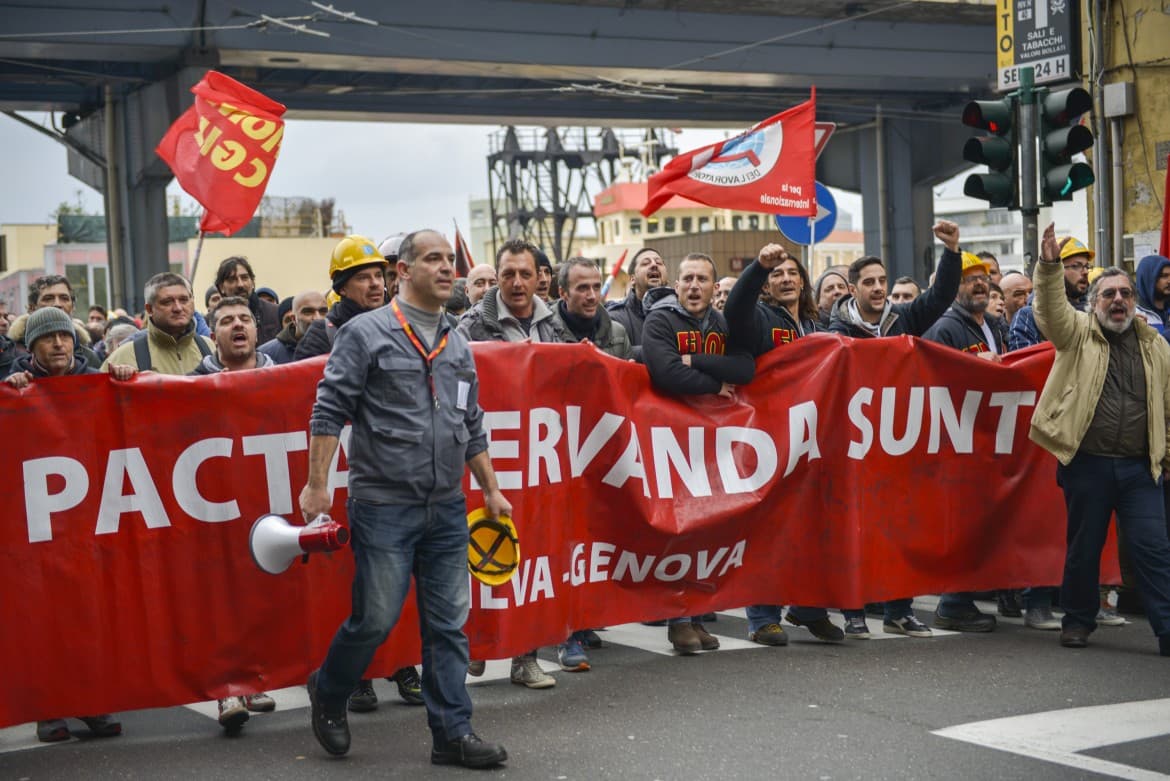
[(651, 639)]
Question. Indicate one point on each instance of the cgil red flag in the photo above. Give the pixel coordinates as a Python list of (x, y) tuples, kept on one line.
[(464, 263), (1164, 245), (770, 168), (222, 150)]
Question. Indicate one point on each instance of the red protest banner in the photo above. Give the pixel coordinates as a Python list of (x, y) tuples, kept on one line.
[(770, 168), (222, 150), (847, 472)]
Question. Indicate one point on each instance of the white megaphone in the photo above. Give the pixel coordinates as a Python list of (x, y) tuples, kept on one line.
[(276, 543)]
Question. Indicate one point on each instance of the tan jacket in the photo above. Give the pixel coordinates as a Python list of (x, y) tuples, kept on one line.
[(167, 354), (1078, 374)]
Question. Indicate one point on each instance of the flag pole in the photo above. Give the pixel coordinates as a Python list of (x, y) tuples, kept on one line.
[(195, 263)]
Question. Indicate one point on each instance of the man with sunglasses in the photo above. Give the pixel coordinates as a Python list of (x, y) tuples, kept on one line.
[(1109, 436)]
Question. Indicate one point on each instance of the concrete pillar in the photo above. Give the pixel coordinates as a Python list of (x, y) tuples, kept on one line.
[(909, 208)]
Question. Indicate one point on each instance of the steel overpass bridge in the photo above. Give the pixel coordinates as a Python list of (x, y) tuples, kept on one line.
[(892, 74)]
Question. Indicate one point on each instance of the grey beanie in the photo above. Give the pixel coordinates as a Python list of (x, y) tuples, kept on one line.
[(49, 320)]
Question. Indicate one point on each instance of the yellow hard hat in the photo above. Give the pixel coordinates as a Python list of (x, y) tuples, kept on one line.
[(354, 251), (1070, 246), (493, 548), (972, 262), (331, 298)]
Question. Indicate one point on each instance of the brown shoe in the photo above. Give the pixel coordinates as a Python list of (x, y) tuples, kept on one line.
[(1075, 637), (684, 638), (707, 641)]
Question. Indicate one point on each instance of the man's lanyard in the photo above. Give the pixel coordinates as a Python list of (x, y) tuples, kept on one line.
[(428, 358)]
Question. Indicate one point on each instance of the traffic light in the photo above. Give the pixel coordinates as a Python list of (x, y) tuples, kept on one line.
[(996, 151), (1060, 139)]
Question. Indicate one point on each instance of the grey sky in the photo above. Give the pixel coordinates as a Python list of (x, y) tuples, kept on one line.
[(385, 177)]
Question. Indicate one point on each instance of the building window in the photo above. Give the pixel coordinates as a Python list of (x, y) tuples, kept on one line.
[(669, 225), (635, 226), (687, 224), (737, 222), (3, 254), (78, 276), (828, 259), (101, 290), (718, 223), (601, 231), (652, 225), (704, 224), (754, 222)]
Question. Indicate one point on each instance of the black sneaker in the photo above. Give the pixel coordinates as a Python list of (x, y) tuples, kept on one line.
[(1007, 603), (856, 628), (409, 685), (329, 726), (970, 620), (468, 751), (363, 698), (907, 625), (822, 628)]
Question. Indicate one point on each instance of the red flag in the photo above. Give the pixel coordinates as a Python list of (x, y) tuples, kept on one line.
[(464, 263), (222, 150), (1164, 245), (770, 168), (613, 273)]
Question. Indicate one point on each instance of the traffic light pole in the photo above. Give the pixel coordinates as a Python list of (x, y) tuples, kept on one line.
[(1029, 206)]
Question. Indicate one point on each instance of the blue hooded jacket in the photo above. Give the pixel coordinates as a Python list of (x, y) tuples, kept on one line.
[(1148, 270)]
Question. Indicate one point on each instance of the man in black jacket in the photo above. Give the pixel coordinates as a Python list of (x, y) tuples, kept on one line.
[(307, 308), (647, 270), (759, 326), (685, 351), (966, 326), (356, 270), (235, 277), (866, 313)]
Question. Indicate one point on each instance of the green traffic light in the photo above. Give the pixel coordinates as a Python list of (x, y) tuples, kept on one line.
[(1060, 182)]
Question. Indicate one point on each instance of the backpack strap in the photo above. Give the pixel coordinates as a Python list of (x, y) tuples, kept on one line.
[(142, 353), (204, 350)]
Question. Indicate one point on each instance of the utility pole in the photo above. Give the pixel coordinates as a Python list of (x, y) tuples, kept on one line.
[(1029, 207)]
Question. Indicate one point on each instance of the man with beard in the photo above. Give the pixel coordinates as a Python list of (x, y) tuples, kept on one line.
[(992, 266), (1109, 437), (307, 308), (235, 340), (686, 354), (235, 277), (356, 270), (1153, 292), (1076, 259), (967, 326), (758, 326), (647, 270)]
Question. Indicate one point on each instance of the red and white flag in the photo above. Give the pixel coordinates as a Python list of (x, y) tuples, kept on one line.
[(222, 150), (770, 168), (613, 273), (464, 263)]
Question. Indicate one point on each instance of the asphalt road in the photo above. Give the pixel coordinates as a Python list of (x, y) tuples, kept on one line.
[(861, 709)]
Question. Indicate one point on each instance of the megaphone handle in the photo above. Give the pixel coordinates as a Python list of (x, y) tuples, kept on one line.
[(320, 519)]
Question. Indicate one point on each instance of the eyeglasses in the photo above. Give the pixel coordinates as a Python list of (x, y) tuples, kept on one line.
[(1109, 293), (1075, 266)]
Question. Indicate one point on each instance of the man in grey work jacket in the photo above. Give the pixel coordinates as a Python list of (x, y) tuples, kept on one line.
[(407, 382)]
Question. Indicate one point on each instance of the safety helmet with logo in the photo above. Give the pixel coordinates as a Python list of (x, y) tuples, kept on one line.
[(350, 254), (974, 263), (493, 547), (1070, 246)]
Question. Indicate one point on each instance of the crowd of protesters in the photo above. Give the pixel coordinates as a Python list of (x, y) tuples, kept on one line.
[(1110, 334)]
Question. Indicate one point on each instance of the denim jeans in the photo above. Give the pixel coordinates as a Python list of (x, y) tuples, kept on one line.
[(1039, 597), (895, 609), (1094, 488), (390, 544), (952, 605), (759, 616)]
